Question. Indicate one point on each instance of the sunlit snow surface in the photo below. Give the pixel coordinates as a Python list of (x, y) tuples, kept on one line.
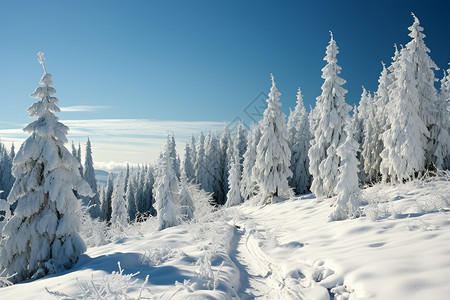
[(400, 249)]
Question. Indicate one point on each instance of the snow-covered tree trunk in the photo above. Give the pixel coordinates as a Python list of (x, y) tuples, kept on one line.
[(273, 156), (42, 236), (330, 115)]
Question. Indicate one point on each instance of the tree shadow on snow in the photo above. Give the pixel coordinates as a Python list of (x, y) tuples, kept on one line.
[(131, 263)]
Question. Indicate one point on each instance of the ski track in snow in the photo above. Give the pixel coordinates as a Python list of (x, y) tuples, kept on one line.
[(261, 277)]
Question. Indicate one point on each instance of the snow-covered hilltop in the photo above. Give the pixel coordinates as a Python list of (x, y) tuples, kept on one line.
[(222, 221), (288, 250)]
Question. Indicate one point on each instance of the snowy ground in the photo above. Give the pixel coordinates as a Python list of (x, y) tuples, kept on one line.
[(400, 249)]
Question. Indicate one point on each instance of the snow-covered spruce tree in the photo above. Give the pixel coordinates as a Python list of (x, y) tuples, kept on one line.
[(240, 141), (225, 144), (143, 195), (355, 125), (186, 203), (444, 93), (330, 113), (200, 167), (127, 177), (107, 203), (422, 81), (412, 99), (273, 156), (440, 131), (77, 154), (234, 190), (12, 152), (193, 147), (363, 112), (173, 153), (369, 154), (188, 164), (229, 158), (74, 150), (42, 236), (381, 101), (248, 185), (119, 214), (214, 171), (148, 191), (441, 146), (130, 197), (89, 176), (166, 192), (139, 190), (348, 193), (6, 176), (103, 201), (299, 143), (313, 120), (79, 160)]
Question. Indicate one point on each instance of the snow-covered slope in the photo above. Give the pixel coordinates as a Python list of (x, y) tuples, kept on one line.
[(400, 255), (400, 249)]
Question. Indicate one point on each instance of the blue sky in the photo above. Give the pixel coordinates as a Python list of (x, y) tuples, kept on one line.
[(197, 64)]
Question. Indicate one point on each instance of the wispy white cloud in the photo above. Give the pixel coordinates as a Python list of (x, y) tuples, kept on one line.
[(141, 127), (118, 141), (80, 108)]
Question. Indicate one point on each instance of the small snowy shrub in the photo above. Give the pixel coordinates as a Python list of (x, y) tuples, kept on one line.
[(4, 280), (202, 203), (379, 206), (116, 286), (93, 231), (206, 272), (158, 256)]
